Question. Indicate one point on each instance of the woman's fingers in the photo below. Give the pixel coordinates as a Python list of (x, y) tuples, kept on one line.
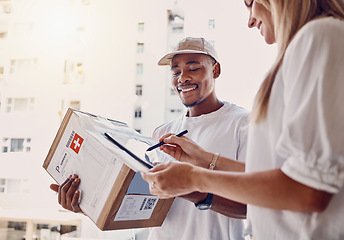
[(169, 180)]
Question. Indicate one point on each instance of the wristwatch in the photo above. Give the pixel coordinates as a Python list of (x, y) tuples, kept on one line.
[(206, 203)]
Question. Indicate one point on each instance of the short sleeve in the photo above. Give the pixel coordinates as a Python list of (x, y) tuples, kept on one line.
[(242, 136), (312, 138)]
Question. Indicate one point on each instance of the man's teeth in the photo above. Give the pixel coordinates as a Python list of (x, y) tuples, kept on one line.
[(186, 89)]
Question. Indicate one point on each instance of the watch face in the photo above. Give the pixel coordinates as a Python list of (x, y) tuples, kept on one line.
[(203, 206), (206, 203)]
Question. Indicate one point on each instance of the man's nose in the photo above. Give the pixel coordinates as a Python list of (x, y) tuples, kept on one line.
[(183, 77)]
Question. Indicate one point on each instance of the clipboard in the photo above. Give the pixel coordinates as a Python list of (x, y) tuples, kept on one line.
[(146, 162)]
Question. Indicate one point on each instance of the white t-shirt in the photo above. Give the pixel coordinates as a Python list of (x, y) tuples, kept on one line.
[(303, 133), (223, 131)]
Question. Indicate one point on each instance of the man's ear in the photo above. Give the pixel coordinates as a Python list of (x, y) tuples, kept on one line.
[(216, 70)]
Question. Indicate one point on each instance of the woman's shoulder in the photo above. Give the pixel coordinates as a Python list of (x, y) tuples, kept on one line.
[(320, 31), (323, 26)]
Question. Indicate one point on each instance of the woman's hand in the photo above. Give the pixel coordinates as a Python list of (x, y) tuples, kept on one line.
[(185, 150), (172, 179), (68, 195)]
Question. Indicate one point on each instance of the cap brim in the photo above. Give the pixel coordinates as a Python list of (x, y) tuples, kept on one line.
[(166, 60)]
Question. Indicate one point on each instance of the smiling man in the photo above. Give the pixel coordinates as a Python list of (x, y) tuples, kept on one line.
[(216, 126)]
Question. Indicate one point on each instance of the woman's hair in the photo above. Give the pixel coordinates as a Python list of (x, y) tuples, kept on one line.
[(289, 17)]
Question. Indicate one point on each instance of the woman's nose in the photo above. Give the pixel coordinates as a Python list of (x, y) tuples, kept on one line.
[(251, 22)]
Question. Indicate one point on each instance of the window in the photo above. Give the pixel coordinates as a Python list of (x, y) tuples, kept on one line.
[(139, 68), (5, 7), (12, 185), (3, 35), (67, 103), (138, 130), (19, 104), (2, 185), (139, 90), (16, 145), (175, 110), (80, 34), (177, 29), (22, 65), (211, 24), (138, 112), (75, 104), (23, 30), (1, 75), (140, 26), (86, 2), (73, 72), (140, 47)]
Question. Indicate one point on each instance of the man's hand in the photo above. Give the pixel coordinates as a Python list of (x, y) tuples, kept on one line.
[(68, 195), (185, 150)]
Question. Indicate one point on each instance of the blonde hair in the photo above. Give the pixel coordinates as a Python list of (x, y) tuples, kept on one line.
[(289, 17)]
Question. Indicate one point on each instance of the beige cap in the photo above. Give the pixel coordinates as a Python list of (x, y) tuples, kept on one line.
[(190, 45)]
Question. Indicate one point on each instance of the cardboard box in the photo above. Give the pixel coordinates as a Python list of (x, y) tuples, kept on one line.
[(113, 194)]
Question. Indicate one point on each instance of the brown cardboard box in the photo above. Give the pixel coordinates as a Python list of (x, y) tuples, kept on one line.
[(113, 194)]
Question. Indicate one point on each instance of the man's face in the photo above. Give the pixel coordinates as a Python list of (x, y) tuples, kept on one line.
[(193, 77)]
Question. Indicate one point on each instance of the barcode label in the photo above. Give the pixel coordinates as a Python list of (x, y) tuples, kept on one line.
[(150, 203), (136, 207)]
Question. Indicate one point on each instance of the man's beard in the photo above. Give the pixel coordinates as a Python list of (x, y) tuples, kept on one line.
[(190, 104)]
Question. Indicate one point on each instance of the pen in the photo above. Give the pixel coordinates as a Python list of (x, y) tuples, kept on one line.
[(162, 142)]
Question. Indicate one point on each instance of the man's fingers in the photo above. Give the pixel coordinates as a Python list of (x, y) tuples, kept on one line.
[(170, 150), (59, 197), (70, 194), (63, 191), (179, 141), (54, 187), (67, 191), (75, 202), (165, 136)]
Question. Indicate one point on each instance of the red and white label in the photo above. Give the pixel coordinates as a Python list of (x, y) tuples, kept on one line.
[(76, 143)]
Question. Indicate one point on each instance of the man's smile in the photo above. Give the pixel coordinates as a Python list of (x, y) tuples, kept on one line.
[(187, 88)]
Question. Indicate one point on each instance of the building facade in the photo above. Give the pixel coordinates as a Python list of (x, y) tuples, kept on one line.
[(100, 57)]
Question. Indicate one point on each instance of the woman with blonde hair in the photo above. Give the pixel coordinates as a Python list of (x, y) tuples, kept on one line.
[(294, 172)]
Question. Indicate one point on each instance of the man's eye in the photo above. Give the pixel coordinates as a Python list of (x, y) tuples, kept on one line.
[(175, 74), (194, 70)]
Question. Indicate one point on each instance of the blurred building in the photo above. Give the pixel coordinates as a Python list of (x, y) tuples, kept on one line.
[(100, 57), (97, 56)]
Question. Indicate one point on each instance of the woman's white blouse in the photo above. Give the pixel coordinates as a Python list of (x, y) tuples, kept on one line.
[(303, 133)]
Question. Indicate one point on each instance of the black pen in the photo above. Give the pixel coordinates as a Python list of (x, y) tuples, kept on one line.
[(162, 142)]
